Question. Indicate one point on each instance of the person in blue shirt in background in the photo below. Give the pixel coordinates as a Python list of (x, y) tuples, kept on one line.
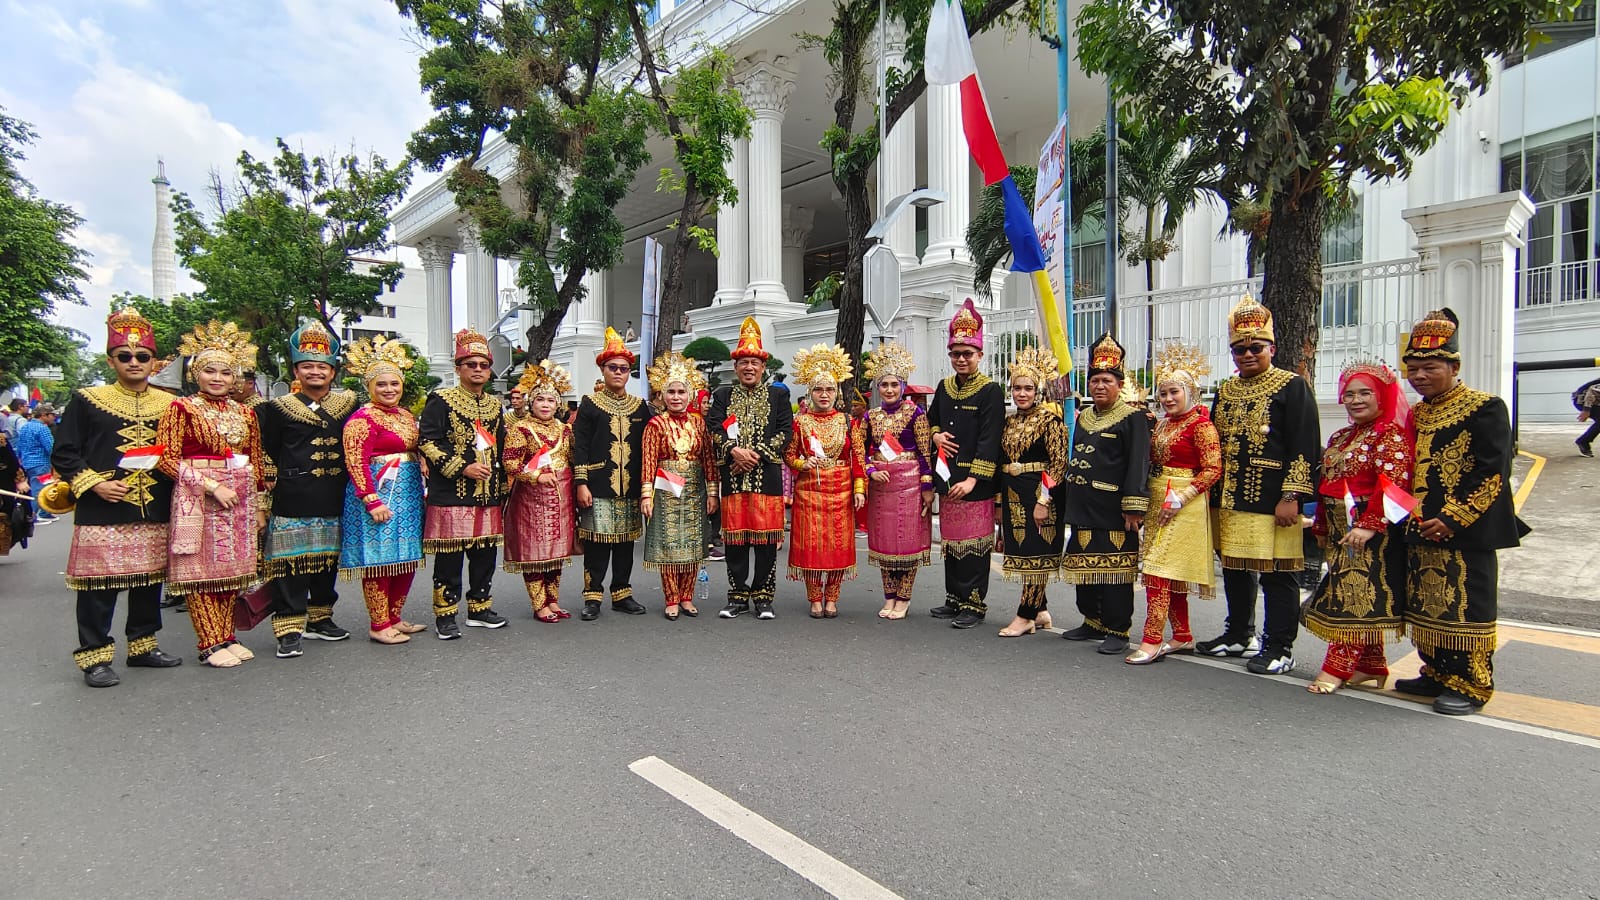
[(34, 442)]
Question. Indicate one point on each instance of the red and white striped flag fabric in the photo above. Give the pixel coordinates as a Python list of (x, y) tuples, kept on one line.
[(388, 472), (481, 438), (541, 460), (941, 466), (142, 458), (1350, 505), (1397, 501), (730, 425), (814, 444), (890, 447), (671, 482), (1172, 500), (1046, 485)]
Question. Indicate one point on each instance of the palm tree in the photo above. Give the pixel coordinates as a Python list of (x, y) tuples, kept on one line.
[(986, 236)]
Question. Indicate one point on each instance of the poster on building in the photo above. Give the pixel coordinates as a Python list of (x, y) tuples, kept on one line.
[(651, 302), (1051, 217)]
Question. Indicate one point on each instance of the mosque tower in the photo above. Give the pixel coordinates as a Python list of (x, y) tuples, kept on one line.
[(163, 255)]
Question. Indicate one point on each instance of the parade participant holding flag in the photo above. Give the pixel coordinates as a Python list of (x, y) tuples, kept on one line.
[(606, 466), (105, 451), (967, 413), (461, 432), (1360, 601), (381, 524), (894, 478), (540, 519), (683, 490), (1185, 461), (1029, 506), (822, 524), (750, 425)]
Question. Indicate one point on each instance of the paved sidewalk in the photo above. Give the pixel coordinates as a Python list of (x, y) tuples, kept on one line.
[(1552, 577)]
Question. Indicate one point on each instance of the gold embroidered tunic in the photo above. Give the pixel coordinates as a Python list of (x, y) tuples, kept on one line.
[(1034, 443), (1271, 444)]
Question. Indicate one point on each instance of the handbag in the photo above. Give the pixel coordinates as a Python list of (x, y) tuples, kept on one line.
[(252, 607), (21, 523)]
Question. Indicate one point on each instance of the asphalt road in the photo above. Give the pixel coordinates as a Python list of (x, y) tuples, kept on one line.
[(939, 763)]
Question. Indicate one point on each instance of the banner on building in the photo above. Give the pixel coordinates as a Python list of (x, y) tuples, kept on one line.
[(651, 302), (1052, 215)]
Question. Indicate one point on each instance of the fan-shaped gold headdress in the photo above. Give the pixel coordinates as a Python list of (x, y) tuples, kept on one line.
[(218, 342), (545, 378), (890, 359), (1036, 363), (822, 364), (1185, 364), (674, 366), (368, 358)]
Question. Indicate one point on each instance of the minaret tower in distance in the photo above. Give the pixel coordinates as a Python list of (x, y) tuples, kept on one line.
[(163, 255)]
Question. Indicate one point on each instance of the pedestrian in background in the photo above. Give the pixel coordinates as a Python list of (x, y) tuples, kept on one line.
[(12, 478), (34, 442), (1587, 400)]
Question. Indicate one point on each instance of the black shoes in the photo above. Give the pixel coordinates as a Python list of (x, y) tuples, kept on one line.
[(764, 610), (445, 628), (966, 619), (1454, 703), (325, 630), (1229, 645), (629, 606), (944, 612), (1271, 661), (101, 675), (154, 659), (716, 553), (1586, 450), (1113, 643), (171, 602), (591, 610), (486, 619), (1420, 686), (289, 645), (1084, 632), (734, 609)]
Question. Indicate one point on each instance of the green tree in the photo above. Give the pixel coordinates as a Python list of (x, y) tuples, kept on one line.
[(530, 70), (1302, 98), (986, 236), (39, 266), (292, 239)]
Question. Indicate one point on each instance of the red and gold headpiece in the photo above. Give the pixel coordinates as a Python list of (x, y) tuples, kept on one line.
[(126, 328), (615, 348), (1249, 321), (1435, 337), (470, 343), (966, 327), (750, 341), (1106, 356)]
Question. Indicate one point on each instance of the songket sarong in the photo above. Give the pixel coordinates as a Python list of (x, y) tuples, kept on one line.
[(675, 533), (540, 526), (300, 546), (966, 527), (1101, 556), (898, 534), (1361, 599), (1179, 551), (114, 557), (611, 520), (823, 525), (371, 550), (750, 518), (446, 529), (213, 550), (1255, 542)]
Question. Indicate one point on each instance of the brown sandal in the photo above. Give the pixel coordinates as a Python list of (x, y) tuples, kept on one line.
[(220, 658), (389, 635)]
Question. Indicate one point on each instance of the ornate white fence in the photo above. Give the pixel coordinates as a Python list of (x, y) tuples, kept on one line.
[(1570, 282)]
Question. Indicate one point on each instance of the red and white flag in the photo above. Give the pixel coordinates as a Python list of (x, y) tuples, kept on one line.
[(142, 458), (890, 448), (1349, 505), (814, 444), (731, 426), (671, 482), (541, 460), (1046, 485), (1172, 500), (941, 466), (481, 438), (1397, 501), (388, 472), (46, 478)]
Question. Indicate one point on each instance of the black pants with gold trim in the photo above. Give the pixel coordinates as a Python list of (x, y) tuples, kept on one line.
[(293, 595), (1452, 604), (1281, 592), (95, 611), (1108, 607), (597, 558), (966, 582), (745, 586), (447, 579)]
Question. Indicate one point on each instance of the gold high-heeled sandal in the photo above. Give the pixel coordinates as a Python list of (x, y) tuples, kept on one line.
[(1362, 678), (1317, 686), (1142, 657), (1007, 632), (1042, 620)]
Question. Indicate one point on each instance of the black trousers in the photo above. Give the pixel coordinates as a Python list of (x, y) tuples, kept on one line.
[(95, 609), (597, 557), (1594, 427), (294, 594), (1282, 593), (447, 579), (745, 586), (966, 583), (1108, 607)]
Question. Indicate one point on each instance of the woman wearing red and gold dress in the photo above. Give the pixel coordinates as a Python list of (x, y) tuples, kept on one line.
[(212, 452), (1185, 461), (541, 522), (823, 522), (893, 460), (1360, 602), (381, 524), (677, 452)]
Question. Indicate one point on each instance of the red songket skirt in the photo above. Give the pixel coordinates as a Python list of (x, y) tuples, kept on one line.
[(541, 525), (823, 524), (749, 518), (898, 534)]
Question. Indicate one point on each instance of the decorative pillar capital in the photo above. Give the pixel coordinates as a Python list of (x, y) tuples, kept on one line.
[(797, 223), (471, 238), (436, 252), (766, 85)]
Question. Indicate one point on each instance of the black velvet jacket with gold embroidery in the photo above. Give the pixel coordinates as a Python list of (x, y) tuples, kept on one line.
[(99, 425), (1109, 473), (304, 441), (974, 414), (447, 436), (765, 424), (1463, 471), (608, 445), (1271, 441)]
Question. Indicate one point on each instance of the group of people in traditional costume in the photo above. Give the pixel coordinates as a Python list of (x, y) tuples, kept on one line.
[(220, 500)]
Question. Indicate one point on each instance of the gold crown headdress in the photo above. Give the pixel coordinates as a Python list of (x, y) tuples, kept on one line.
[(891, 359), (674, 366), (822, 363), (368, 358), (1182, 363), (1036, 363), (545, 378), (1376, 368), (218, 342), (1249, 321)]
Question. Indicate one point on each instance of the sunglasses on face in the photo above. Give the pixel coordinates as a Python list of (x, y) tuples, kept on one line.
[(475, 365), (126, 357), (1250, 349), (617, 369), (963, 354)]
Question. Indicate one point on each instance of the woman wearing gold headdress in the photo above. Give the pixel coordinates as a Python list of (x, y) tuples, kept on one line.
[(678, 484), (894, 478), (541, 522), (1185, 461), (1033, 454), (212, 452), (823, 527)]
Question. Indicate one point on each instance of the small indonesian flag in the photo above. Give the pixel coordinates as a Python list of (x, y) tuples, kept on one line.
[(814, 444), (388, 472), (142, 458), (731, 426), (1349, 505), (1172, 500), (941, 466), (46, 478), (481, 438), (669, 481), (1397, 501), (541, 460), (890, 448), (1046, 485)]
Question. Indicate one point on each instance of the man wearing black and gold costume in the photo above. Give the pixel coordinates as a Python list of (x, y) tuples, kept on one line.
[(104, 452), (460, 433), (1464, 514), (607, 452), (519, 406), (749, 425), (1271, 451), (1108, 480), (968, 415), (302, 437)]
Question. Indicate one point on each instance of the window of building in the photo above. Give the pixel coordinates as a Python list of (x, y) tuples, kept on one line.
[(1342, 244), (1558, 263)]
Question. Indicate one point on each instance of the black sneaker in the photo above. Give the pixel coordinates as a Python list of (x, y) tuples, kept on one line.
[(289, 645), (716, 554), (1585, 449), (445, 628), (325, 630), (1253, 646), (764, 610), (734, 609), (591, 610), (1084, 632), (1226, 645), (944, 612), (966, 619), (101, 675), (1113, 643), (1420, 686), (486, 619), (1271, 661), (154, 659)]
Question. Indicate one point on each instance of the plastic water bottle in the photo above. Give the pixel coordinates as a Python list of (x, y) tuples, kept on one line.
[(702, 591)]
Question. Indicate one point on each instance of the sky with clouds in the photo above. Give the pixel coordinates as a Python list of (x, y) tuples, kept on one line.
[(111, 85)]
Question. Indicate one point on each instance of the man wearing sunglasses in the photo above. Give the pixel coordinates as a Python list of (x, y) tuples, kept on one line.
[(1271, 451), (607, 455), (104, 451), (460, 433)]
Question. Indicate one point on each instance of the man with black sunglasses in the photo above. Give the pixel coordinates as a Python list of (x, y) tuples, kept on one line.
[(1271, 450), (607, 455), (105, 451)]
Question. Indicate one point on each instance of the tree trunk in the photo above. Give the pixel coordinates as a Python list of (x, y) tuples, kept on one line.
[(543, 335), (849, 331), (672, 280), (1292, 287)]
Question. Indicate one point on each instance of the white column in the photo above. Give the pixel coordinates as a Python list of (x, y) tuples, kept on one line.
[(733, 230), (592, 311), (437, 256), (949, 170), (766, 88), (898, 161), (483, 292), (797, 222)]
